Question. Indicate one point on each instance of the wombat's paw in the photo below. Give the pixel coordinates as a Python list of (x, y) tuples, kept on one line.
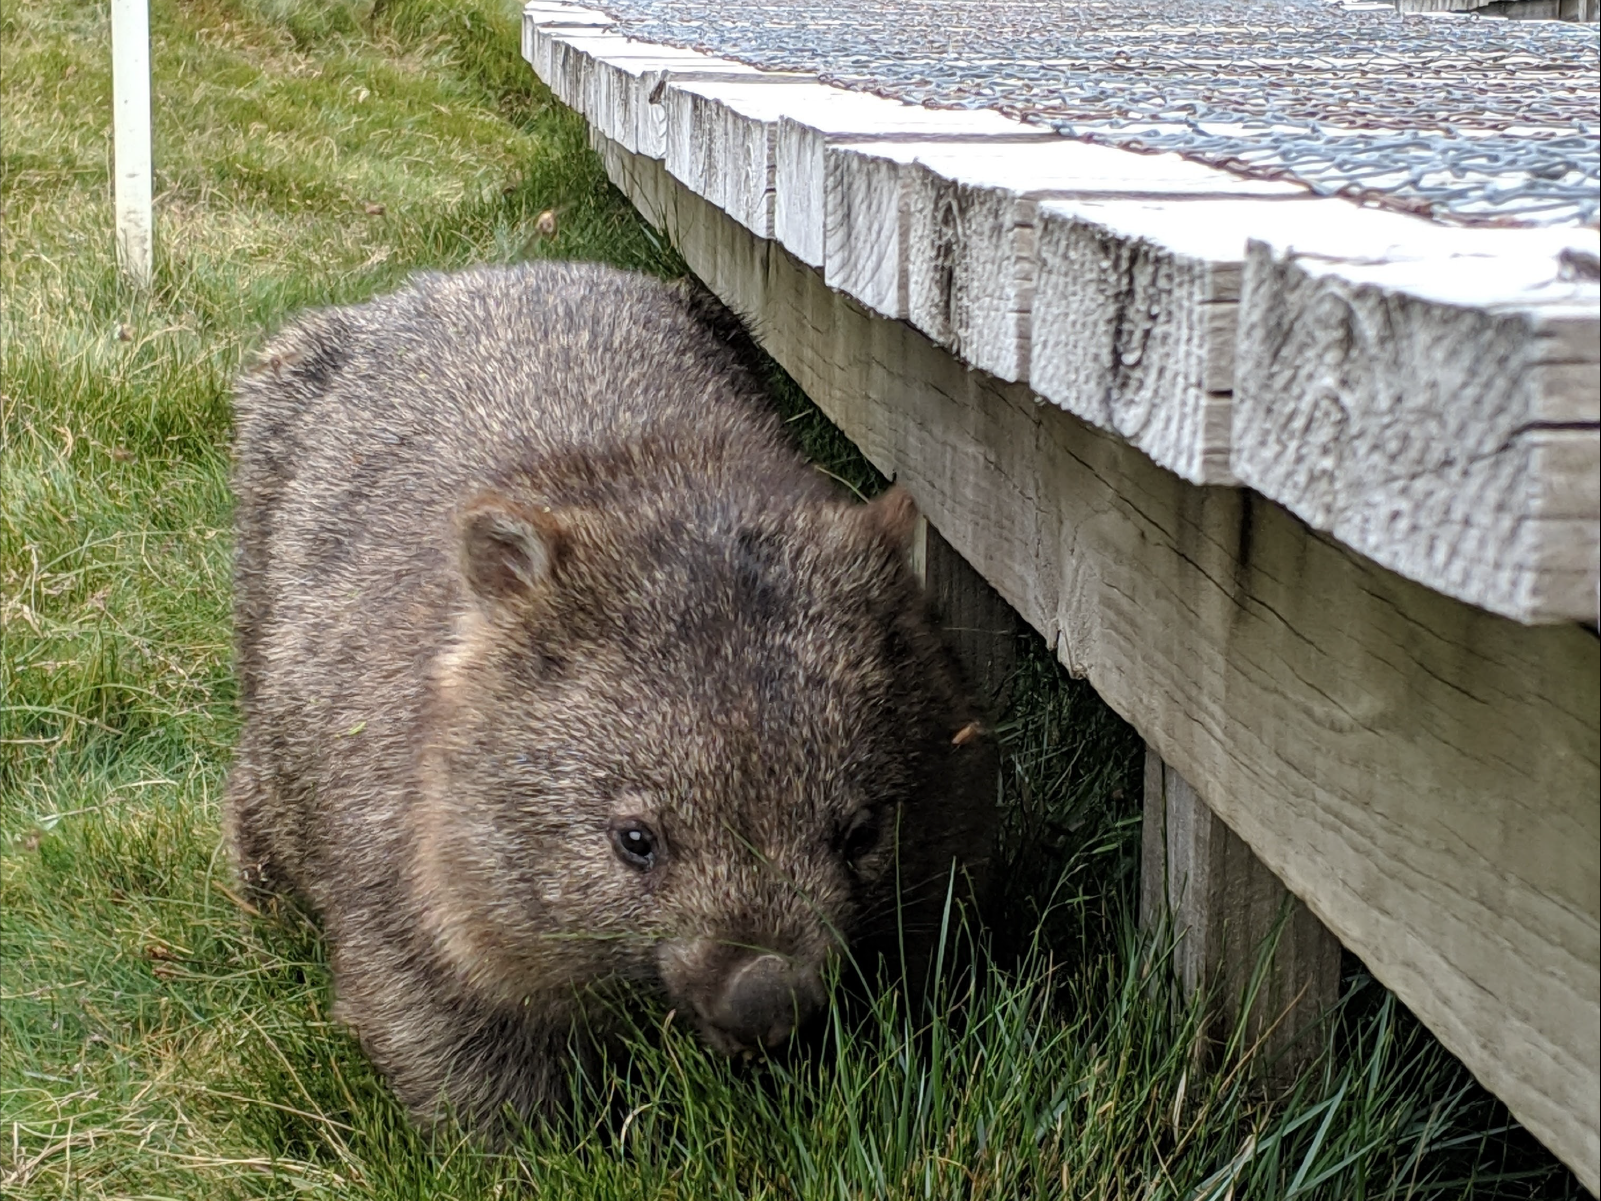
[(258, 880), (262, 884)]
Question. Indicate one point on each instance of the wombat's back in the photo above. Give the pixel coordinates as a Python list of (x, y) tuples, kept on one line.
[(401, 404)]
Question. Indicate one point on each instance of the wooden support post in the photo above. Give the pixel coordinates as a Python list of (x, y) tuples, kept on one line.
[(130, 90), (1225, 905), (979, 624)]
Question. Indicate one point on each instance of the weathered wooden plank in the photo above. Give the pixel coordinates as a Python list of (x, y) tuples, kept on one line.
[(944, 235), (866, 223), (1532, 10), (1226, 909), (1438, 415), (1134, 321), (543, 18), (551, 13), (1421, 773), (1134, 312), (757, 152), (722, 136), (617, 82), (973, 231), (800, 217)]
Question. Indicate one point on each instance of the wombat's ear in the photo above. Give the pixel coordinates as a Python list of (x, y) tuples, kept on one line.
[(892, 516), (508, 551)]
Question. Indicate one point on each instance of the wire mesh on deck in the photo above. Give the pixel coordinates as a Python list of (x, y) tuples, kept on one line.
[(1463, 118)]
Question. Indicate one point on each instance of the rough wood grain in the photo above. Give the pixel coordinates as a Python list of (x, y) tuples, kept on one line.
[(541, 20), (972, 232), (1134, 312), (801, 215), (1226, 909), (617, 82), (866, 223), (757, 152), (943, 235), (1423, 774), (1135, 304), (1439, 415), (722, 138)]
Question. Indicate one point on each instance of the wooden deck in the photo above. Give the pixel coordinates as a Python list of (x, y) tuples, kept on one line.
[(1308, 491)]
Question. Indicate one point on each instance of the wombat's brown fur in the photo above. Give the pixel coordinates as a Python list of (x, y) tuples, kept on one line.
[(562, 674)]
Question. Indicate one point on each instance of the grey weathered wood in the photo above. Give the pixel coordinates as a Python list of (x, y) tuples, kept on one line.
[(755, 150), (540, 20), (980, 625), (722, 140), (1136, 334), (618, 82), (802, 182), (983, 245), (1438, 415), (1135, 310), (943, 234), (1136, 304), (1534, 10), (1423, 774), (1226, 909), (866, 223), (972, 234)]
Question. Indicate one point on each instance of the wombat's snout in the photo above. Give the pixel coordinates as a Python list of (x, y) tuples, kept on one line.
[(762, 1002)]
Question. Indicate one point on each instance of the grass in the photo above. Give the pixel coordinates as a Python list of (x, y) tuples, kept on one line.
[(160, 1042)]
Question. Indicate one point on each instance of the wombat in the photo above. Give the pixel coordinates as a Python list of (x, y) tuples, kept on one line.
[(565, 679)]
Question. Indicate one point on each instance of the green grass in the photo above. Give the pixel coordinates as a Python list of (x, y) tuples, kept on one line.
[(160, 1042)]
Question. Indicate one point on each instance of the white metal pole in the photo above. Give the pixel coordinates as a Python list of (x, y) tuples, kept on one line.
[(130, 99)]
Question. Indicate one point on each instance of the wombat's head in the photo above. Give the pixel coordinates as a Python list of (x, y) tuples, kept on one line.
[(701, 750)]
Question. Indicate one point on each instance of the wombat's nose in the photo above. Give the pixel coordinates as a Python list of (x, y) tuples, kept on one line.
[(765, 1000)]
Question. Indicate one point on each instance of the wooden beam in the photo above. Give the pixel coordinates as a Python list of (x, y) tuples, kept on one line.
[(1533, 10), (1136, 306), (617, 83), (966, 217), (722, 141), (1422, 774), (857, 117), (973, 232), (543, 18), (1226, 909), (755, 149)]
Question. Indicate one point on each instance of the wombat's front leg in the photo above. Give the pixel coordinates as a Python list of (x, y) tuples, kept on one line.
[(449, 1056)]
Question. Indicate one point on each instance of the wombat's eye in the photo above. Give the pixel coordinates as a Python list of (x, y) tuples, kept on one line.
[(635, 843), (859, 835)]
